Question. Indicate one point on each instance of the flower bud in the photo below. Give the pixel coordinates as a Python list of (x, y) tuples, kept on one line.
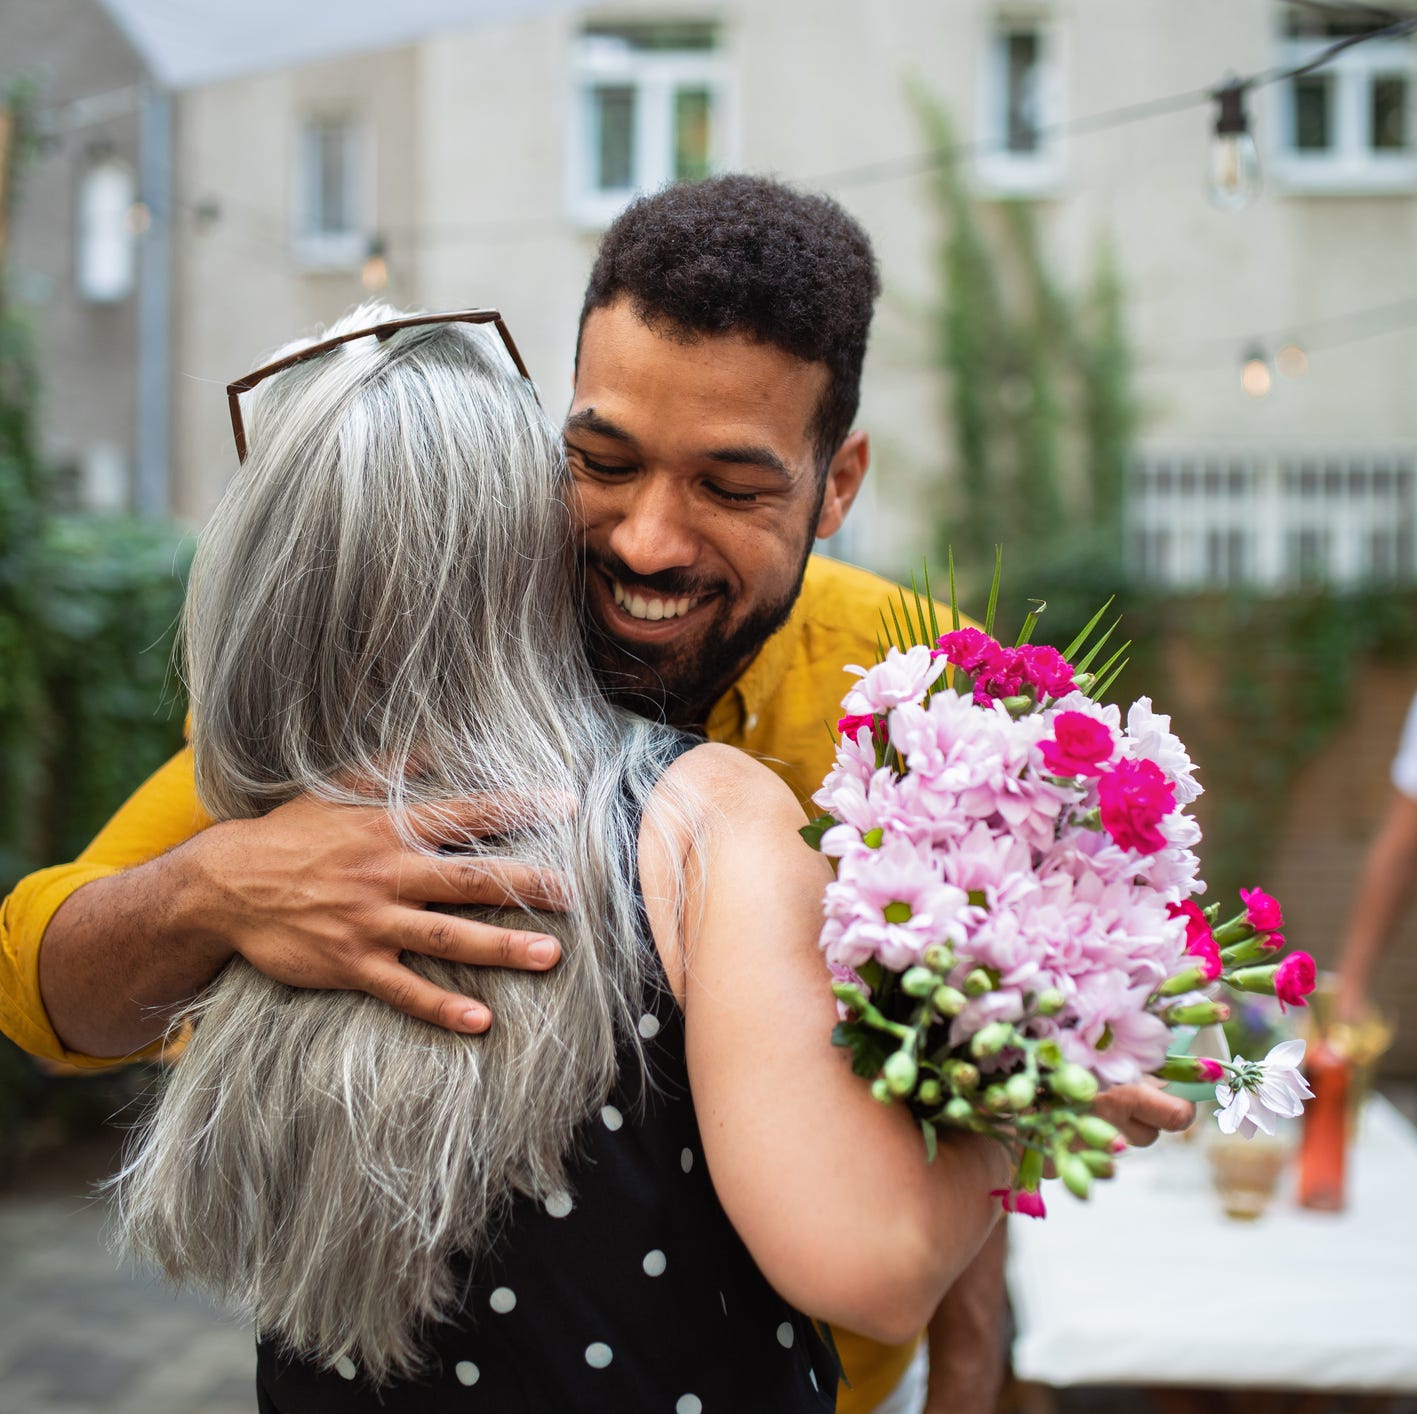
[(1098, 1165), (1196, 1014), (1048, 1054), (1050, 1001), (939, 957), (1030, 1169), (991, 1039), (948, 1002), (850, 995), (960, 1075), (930, 1093), (918, 982), (1084, 681), (978, 982), (959, 1111), (996, 1099), (1072, 1082), (1075, 1174), (880, 1090), (1190, 979), (1251, 949), (1017, 706), (1234, 930), (1021, 1092), (900, 1072), (1191, 1070), (1096, 1133)]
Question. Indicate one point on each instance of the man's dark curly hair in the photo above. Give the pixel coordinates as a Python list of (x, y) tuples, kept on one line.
[(745, 255)]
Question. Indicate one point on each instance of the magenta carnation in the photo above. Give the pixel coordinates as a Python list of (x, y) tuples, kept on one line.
[(1081, 745), (968, 648), (1200, 942), (1262, 912), (1045, 669), (1028, 1202), (1294, 979), (1135, 796), (852, 723)]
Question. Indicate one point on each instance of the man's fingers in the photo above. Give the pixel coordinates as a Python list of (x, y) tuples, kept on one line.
[(406, 991), (496, 813), (454, 939), (495, 882), (1141, 1112)]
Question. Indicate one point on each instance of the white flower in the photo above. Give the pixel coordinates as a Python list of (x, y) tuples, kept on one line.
[(897, 678), (1256, 1093), (1149, 734)]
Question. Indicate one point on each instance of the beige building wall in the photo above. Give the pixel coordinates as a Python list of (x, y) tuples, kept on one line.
[(72, 53), (471, 131)]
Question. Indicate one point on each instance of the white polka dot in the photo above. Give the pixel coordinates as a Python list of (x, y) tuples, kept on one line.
[(686, 1160), (599, 1355), (649, 1026), (467, 1372), (654, 1263), (611, 1118), (723, 1301), (786, 1335), (502, 1300), (345, 1366), (813, 1374), (559, 1205), (688, 1404)]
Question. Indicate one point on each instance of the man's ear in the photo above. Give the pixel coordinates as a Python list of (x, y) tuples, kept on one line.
[(844, 477)]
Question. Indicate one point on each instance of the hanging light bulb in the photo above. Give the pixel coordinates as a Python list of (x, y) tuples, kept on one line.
[(1233, 180), (1255, 377), (375, 274)]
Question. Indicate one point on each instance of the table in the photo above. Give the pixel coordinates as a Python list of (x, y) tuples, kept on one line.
[(1148, 1283)]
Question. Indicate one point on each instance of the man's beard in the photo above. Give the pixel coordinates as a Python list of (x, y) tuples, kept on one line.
[(677, 682)]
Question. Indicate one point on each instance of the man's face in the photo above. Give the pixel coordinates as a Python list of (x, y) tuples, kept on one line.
[(698, 494)]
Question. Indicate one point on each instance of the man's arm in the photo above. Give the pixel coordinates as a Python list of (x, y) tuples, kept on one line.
[(965, 1336), (98, 955), (1383, 888)]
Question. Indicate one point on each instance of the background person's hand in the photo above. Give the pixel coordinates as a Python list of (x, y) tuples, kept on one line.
[(322, 895), (1143, 1111)]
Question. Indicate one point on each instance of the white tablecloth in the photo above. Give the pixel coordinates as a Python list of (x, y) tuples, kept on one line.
[(1148, 1283)]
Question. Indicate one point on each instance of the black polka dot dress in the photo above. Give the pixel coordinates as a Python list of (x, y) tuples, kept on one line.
[(628, 1292)]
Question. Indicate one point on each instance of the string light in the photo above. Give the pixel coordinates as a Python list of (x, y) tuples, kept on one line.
[(1234, 171), (1255, 377), (375, 274)]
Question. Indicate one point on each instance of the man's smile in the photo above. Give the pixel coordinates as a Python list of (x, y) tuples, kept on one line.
[(630, 610)]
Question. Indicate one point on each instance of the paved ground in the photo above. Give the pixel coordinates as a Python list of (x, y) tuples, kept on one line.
[(81, 1335)]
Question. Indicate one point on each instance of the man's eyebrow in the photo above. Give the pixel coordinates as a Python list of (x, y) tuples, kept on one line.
[(762, 457), (588, 420)]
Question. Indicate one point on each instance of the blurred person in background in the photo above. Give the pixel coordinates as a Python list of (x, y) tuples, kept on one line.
[(1384, 884), (711, 440)]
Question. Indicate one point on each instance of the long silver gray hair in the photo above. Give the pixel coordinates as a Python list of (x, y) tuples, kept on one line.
[(382, 611)]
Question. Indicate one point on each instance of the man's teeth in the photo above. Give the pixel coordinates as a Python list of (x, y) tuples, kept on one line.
[(638, 606)]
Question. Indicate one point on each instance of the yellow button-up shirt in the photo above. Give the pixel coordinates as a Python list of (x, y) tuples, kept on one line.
[(782, 709)]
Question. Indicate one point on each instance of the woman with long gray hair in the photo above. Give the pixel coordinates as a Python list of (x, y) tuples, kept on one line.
[(621, 1195)]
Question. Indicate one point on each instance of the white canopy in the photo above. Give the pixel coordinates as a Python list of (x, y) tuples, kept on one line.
[(189, 42)]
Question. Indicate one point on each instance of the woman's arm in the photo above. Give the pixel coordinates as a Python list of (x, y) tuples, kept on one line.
[(829, 1190)]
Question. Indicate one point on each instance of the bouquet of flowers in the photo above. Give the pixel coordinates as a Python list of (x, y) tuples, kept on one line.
[(1013, 925)]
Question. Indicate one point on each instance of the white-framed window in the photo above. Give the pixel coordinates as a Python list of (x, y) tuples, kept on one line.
[(651, 103), (1019, 102), (1350, 127), (1274, 519), (332, 187)]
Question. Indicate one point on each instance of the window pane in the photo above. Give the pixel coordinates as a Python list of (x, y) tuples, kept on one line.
[(693, 118), (329, 206), (1313, 114), (1021, 55), (1390, 113), (615, 125)]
